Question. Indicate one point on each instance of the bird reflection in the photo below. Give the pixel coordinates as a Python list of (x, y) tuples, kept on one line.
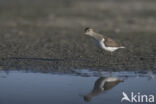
[(101, 85)]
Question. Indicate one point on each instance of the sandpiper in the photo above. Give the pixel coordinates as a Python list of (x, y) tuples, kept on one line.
[(102, 41), (101, 85)]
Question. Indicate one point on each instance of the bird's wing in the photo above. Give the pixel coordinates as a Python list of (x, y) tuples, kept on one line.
[(111, 43)]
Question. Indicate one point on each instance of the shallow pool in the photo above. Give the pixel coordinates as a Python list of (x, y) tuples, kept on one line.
[(19, 87)]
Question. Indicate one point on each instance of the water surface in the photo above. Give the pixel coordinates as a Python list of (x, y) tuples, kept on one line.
[(18, 87)]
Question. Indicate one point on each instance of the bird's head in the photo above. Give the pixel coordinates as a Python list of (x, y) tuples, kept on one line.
[(88, 31), (87, 98)]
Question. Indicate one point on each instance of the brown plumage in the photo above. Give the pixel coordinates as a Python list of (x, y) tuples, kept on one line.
[(110, 43), (101, 85), (104, 42)]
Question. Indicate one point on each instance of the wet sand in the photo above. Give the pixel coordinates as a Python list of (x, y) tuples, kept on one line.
[(48, 34)]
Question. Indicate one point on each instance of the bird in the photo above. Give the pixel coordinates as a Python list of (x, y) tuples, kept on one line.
[(103, 41), (101, 85)]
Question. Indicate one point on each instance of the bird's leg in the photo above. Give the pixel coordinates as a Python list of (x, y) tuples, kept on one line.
[(99, 50), (102, 52), (110, 73), (98, 60), (110, 57), (111, 53), (98, 56), (99, 73)]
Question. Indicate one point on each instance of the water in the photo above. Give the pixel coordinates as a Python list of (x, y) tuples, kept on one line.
[(17, 87)]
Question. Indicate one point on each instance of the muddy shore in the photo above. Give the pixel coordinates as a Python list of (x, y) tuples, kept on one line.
[(48, 34)]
